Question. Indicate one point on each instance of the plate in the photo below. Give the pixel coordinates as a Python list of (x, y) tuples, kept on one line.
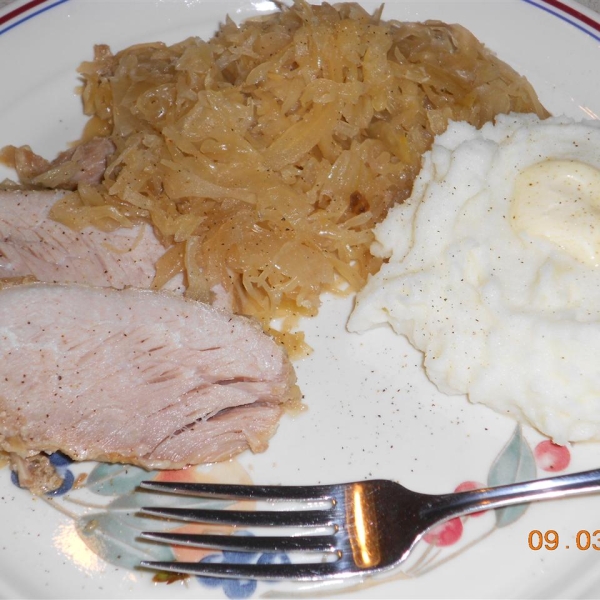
[(370, 410)]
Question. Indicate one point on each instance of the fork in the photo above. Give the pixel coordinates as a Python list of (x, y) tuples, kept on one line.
[(374, 524)]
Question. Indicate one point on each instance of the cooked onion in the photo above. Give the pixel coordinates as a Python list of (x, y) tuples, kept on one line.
[(264, 156)]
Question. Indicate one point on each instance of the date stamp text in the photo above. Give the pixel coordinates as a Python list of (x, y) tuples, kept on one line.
[(550, 540)]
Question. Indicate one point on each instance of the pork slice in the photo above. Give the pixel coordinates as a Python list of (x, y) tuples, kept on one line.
[(31, 243), (134, 376), (84, 163)]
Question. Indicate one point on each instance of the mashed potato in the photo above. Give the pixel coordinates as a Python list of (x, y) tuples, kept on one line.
[(494, 271)]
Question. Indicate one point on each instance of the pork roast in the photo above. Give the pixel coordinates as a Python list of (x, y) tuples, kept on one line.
[(31, 243), (134, 376), (84, 163)]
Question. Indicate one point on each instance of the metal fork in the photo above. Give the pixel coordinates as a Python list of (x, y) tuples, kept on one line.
[(375, 524)]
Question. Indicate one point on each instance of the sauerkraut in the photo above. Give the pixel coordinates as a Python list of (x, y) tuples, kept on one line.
[(264, 156)]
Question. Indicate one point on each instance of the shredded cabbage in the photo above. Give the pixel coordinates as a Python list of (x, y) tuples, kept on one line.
[(264, 156)]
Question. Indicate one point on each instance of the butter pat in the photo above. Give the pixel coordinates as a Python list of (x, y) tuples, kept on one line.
[(559, 200)]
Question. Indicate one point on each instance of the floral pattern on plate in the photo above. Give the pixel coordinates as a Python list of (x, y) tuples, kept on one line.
[(105, 505)]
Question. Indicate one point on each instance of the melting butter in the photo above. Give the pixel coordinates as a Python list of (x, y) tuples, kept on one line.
[(560, 200)]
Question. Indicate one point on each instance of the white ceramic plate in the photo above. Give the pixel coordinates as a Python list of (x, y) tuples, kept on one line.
[(371, 412)]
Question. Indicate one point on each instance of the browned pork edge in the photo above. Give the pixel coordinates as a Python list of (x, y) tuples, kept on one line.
[(134, 376), (31, 243), (83, 164)]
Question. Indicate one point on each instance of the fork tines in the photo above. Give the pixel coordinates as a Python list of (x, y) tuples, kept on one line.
[(244, 492), (326, 544), (309, 543)]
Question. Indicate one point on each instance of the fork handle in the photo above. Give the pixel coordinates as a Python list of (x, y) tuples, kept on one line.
[(448, 506)]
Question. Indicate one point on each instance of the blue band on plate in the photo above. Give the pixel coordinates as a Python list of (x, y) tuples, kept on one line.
[(19, 21), (566, 19)]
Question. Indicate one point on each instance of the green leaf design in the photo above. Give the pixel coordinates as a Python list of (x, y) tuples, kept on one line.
[(115, 538), (115, 479), (514, 463)]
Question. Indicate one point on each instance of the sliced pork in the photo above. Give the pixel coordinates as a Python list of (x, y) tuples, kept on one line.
[(84, 163), (31, 243), (134, 376)]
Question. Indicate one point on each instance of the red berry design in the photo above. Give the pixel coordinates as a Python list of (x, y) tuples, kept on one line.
[(551, 457), (446, 534), (467, 486)]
